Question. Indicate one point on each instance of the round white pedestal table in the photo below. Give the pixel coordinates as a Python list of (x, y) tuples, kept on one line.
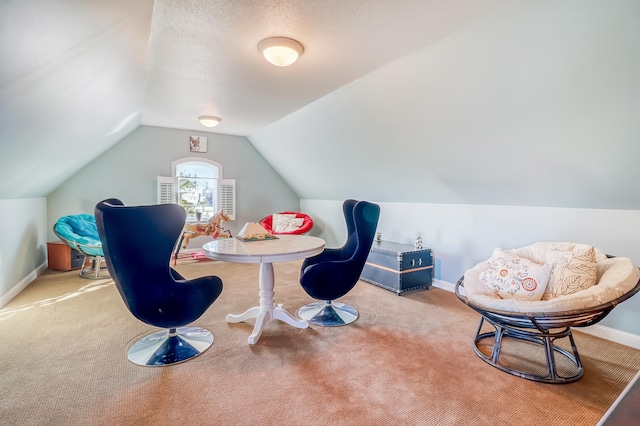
[(265, 252)]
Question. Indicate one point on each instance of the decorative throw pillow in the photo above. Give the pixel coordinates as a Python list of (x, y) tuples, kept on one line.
[(571, 271), (513, 277), (277, 219), (285, 222)]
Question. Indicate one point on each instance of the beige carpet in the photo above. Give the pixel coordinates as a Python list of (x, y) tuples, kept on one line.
[(407, 361)]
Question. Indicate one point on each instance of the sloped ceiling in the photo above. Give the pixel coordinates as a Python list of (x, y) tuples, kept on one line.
[(71, 86), (204, 60), (510, 102), (78, 75), (536, 105)]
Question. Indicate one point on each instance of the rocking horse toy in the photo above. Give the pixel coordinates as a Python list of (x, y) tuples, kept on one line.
[(212, 227)]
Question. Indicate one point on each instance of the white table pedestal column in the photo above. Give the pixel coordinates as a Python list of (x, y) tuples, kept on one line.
[(265, 252), (267, 310)]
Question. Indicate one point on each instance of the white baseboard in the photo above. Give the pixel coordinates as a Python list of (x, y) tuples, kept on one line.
[(602, 331), (6, 298), (612, 334), (445, 285)]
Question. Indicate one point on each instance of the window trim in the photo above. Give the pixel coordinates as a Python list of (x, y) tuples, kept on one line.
[(175, 163), (167, 191)]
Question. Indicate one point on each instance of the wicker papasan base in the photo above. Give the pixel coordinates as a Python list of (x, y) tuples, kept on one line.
[(527, 344)]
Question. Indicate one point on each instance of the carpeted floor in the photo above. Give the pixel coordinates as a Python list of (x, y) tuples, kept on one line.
[(408, 360)]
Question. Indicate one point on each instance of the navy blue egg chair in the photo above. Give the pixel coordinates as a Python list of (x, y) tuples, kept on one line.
[(137, 242), (334, 272)]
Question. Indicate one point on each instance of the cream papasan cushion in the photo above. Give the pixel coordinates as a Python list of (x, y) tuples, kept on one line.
[(614, 277)]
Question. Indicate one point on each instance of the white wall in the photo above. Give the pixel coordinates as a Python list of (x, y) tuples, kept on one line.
[(463, 235), (23, 244)]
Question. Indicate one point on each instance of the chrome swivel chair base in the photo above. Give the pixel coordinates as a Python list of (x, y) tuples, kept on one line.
[(328, 314), (171, 346)]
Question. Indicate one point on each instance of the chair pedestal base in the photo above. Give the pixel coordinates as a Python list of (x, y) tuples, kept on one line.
[(170, 346), (328, 314), (544, 338)]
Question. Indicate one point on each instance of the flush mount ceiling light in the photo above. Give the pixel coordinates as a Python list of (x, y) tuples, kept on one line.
[(209, 121), (280, 51)]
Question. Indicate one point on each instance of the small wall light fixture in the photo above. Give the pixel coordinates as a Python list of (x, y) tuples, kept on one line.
[(209, 121), (280, 51)]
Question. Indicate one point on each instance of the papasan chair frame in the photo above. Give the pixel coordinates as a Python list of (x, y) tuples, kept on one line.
[(307, 224), (539, 328)]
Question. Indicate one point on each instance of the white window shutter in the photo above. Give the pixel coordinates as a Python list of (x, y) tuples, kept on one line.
[(227, 197), (166, 190)]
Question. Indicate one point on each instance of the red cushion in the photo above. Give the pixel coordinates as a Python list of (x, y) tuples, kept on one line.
[(307, 224)]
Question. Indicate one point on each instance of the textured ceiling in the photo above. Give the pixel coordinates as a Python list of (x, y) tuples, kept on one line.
[(203, 57), (79, 75)]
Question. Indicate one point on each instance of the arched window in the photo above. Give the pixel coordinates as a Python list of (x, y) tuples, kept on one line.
[(197, 185)]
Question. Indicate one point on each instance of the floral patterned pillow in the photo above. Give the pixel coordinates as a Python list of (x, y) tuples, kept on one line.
[(572, 271), (513, 277)]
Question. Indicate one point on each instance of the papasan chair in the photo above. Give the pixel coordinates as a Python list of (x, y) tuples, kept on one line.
[(79, 231), (287, 223), (532, 296)]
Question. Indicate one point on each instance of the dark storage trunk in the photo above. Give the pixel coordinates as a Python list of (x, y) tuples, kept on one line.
[(398, 267)]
